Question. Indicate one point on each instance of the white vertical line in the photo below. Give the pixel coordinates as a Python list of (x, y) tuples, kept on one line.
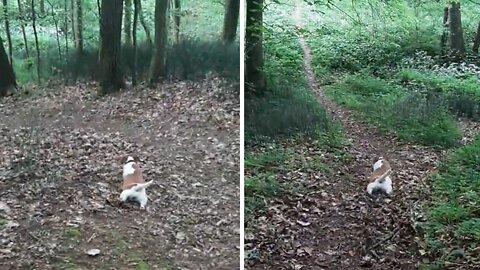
[(242, 127)]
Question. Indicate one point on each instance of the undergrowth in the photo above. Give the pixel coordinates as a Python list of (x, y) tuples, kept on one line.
[(393, 108), (276, 122), (453, 226)]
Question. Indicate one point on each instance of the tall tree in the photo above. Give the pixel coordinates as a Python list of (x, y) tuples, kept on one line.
[(134, 37), (476, 41), (78, 26), (457, 43), (22, 25), (144, 24), (7, 77), (230, 21), (42, 7), (157, 67), (7, 29), (110, 47), (127, 23), (34, 25), (254, 75), (176, 20)]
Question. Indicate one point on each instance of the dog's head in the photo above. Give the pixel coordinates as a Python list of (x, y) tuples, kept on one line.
[(128, 158)]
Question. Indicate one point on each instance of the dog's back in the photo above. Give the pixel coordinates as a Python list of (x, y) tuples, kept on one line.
[(132, 174)]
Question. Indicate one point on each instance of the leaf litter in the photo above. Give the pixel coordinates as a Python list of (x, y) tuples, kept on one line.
[(61, 172)]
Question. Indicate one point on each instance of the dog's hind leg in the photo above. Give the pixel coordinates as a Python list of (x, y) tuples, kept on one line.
[(143, 199), (125, 194)]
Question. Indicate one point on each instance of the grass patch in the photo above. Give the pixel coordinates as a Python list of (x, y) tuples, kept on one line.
[(453, 226), (288, 108), (460, 95), (3, 221), (392, 108), (72, 233), (142, 265), (283, 120)]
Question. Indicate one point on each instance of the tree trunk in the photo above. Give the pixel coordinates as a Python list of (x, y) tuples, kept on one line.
[(457, 43), (476, 41), (444, 38), (78, 27), (134, 37), (127, 23), (42, 7), (65, 26), (57, 30), (110, 47), (127, 28), (34, 25), (7, 77), (22, 25), (255, 77), (7, 29), (157, 68), (144, 25), (230, 21), (176, 20)]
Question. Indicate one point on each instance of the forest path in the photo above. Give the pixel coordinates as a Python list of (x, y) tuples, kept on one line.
[(61, 170), (354, 230)]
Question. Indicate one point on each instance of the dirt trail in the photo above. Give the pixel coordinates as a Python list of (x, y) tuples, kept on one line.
[(61, 169), (353, 230)]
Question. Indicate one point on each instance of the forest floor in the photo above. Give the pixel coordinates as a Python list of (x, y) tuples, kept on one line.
[(61, 171), (333, 224)]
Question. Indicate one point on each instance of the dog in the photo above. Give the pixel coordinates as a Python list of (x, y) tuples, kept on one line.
[(134, 186), (380, 177)]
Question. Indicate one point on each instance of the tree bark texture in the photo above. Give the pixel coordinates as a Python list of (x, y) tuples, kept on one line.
[(457, 43), (157, 68), (127, 23), (110, 47), (78, 26), (230, 21), (7, 29), (476, 41), (7, 76), (255, 76)]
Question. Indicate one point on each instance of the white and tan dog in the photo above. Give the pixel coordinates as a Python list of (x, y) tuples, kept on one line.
[(133, 186), (380, 177)]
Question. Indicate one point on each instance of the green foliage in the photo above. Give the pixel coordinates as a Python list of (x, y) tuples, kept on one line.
[(392, 109), (288, 108), (453, 216), (460, 95)]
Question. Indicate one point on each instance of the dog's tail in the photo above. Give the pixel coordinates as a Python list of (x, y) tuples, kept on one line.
[(139, 187)]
